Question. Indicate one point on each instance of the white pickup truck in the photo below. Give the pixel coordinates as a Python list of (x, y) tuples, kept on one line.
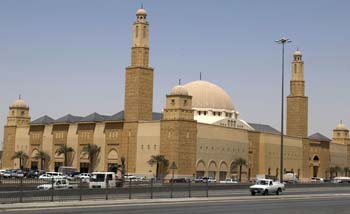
[(266, 186)]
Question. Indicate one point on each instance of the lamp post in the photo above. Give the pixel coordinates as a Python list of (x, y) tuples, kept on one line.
[(282, 41)]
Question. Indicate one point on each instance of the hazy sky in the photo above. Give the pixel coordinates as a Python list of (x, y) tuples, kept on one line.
[(69, 56)]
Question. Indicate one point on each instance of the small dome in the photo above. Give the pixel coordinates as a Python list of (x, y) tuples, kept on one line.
[(340, 126), (19, 103), (208, 95), (297, 53), (179, 90), (141, 12)]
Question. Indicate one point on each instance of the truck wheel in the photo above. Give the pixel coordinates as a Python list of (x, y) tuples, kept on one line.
[(253, 193), (278, 191), (266, 192)]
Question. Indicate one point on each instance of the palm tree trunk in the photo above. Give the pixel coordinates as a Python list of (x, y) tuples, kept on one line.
[(42, 163), (20, 163), (65, 159), (90, 165), (240, 173), (157, 171)]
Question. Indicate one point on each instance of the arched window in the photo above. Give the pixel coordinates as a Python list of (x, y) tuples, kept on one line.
[(137, 31), (144, 32)]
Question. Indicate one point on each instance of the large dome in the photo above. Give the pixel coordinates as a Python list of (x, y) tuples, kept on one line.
[(208, 95)]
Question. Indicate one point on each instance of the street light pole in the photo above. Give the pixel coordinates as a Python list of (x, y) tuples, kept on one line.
[(282, 41)]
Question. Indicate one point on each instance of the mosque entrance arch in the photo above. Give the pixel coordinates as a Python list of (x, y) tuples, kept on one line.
[(34, 160), (315, 165), (112, 161), (200, 169)]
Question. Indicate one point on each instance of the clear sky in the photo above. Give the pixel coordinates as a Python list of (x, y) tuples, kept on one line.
[(69, 56)]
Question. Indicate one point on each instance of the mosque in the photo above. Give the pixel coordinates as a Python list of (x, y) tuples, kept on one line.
[(199, 129)]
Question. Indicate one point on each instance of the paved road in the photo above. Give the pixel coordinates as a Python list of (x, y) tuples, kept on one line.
[(298, 204)]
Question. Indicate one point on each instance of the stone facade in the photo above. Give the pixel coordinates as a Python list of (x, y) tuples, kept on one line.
[(8, 146), (319, 158)]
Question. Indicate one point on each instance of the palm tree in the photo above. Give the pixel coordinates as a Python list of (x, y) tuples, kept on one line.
[(331, 171), (44, 158), (337, 169), (65, 150), (161, 161), (239, 162), (93, 152), (122, 159), (346, 170), (22, 156)]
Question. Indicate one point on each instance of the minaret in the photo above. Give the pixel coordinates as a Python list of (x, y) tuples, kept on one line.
[(139, 76), (178, 132), (341, 134), (297, 102), (138, 96), (18, 117)]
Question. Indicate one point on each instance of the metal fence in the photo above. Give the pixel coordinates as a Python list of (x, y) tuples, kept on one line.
[(17, 190), (14, 190)]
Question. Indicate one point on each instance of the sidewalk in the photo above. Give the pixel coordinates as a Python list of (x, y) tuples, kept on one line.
[(101, 202)]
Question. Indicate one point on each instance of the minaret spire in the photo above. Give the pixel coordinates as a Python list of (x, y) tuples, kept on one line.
[(140, 39)]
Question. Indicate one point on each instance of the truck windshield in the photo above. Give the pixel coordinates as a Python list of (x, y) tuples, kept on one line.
[(262, 182), (98, 177)]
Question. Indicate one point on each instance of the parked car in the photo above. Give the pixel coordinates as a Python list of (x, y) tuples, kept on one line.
[(6, 174), (209, 180), (19, 174), (341, 180), (85, 177), (205, 180), (180, 180), (266, 186), (128, 177), (33, 173), (60, 183), (317, 180), (50, 175), (229, 181), (13, 173)]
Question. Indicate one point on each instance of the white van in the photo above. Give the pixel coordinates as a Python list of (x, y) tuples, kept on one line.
[(100, 179)]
